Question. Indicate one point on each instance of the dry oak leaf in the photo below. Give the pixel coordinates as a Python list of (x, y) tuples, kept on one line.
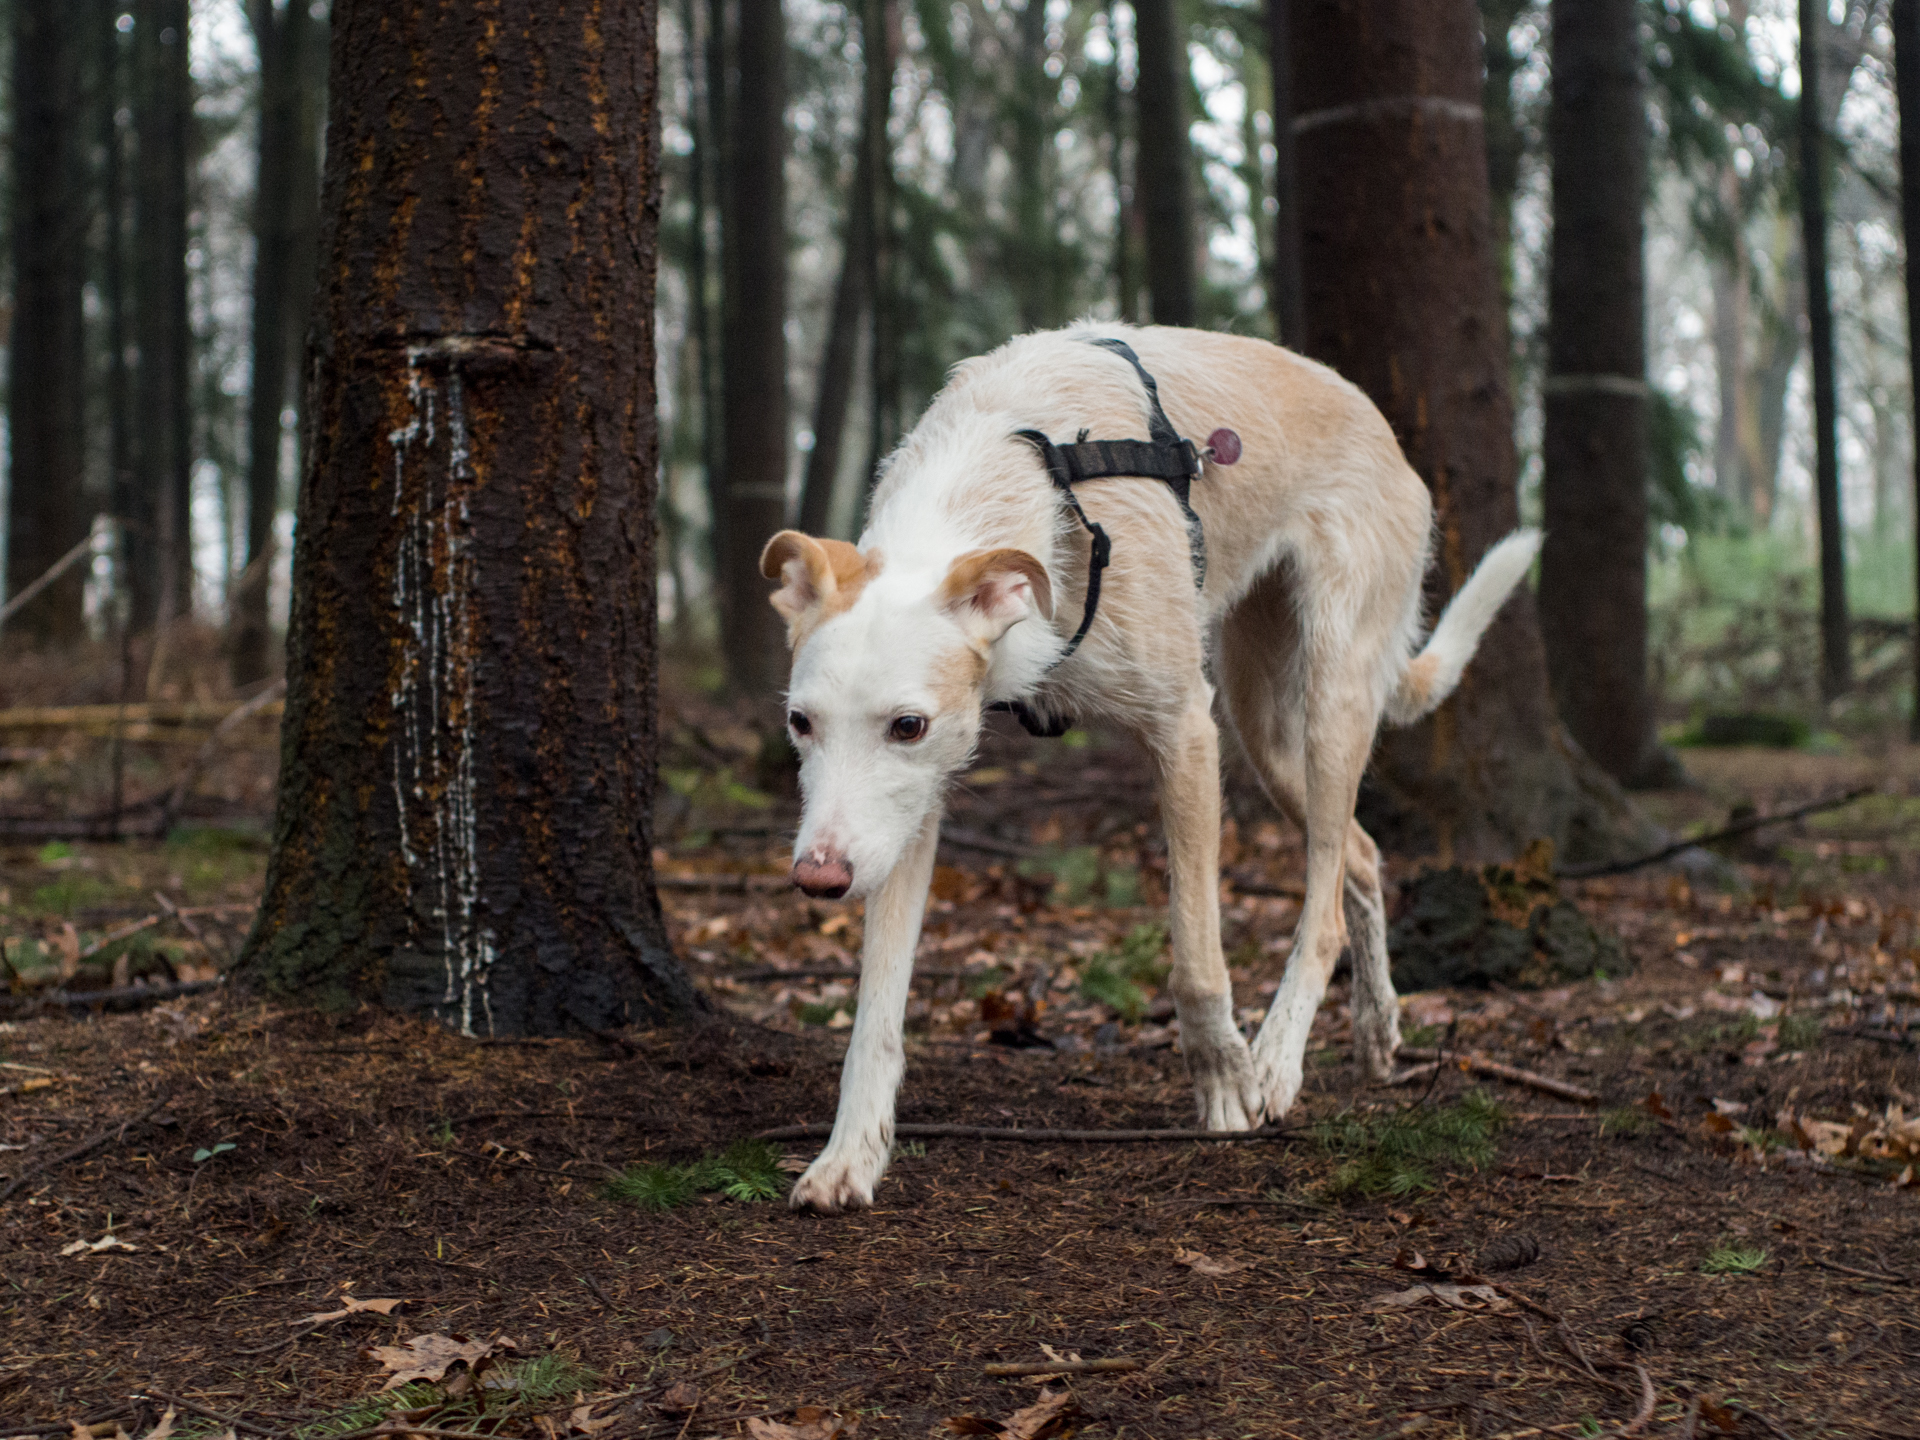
[(429, 1357), (679, 1398), (162, 1430), (811, 1423), (1204, 1265), (1454, 1297), (1050, 1417), (94, 1247), (353, 1307), (582, 1420)]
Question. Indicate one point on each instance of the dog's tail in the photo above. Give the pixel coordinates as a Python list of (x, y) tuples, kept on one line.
[(1431, 675)]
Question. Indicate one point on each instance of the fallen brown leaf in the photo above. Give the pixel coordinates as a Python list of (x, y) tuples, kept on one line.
[(94, 1247), (811, 1423), (162, 1430), (352, 1307), (1454, 1297), (1204, 1265), (583, 1422), (429, 1357), (1051, 1415), (679, 1398)]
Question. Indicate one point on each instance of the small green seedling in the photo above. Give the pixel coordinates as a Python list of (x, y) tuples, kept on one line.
[(1732, 1258), (1398, 1152), (206, 1153), (748, 1171)]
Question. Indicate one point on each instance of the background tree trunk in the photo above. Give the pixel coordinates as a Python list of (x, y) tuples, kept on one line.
[(753, 492), (109, 82), (1906, 66), (1126, 285), (1393, 183), (852, 292), (464, 822), (1836, 662), (1163, 181), (285, 177), (159, 541), (1288, 317), (1505, 144), (1593, 566), (46, 370)]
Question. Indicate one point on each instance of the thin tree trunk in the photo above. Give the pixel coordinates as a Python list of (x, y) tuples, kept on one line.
[(1906, 66), (700, 166), (281, 37), (720, 98), (1593, 566), (851, 292), (1836, 662), (884, 298), (159, 548), (1288, 316), (1165, 182), (754, 486), (46, 379), (1504, 143), (1125, 284), (1403, 298), (464, 824), (110, 77), (1029, 111)]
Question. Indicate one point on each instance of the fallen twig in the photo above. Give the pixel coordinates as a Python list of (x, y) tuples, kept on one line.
[(83, 1149), (203, 757), (123, 932), (1731, 832), (1045, 1137), (125, 997), (214, 1415), (59, 567), (1863, 1274), (1481, 1065), (1062, 1367), (192, 927)]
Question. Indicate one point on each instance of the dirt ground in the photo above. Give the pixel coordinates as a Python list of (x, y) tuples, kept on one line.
[(256, 1167)]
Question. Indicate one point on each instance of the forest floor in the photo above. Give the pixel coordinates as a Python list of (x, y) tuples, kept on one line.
[(246, 1213)]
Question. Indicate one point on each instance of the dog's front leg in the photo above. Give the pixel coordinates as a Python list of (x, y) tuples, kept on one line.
[(1225, 1090), (844, 1175)]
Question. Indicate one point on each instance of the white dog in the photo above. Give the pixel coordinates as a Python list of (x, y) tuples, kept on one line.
[(970, 586)]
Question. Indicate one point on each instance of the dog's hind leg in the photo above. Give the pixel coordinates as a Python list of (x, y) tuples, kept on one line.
[(1188, 760), (843, 1176), (1376, 1009)]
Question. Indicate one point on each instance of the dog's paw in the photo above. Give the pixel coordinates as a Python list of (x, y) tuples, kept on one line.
[(1224, 1089), (1376, 1036), (1278, 1080), (835, 1183)]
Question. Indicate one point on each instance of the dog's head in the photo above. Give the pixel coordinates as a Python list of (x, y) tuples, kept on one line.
[(884, 701)]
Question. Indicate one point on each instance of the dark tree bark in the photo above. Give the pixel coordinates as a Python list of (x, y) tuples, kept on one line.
[(1906, 67), (1032, 259), (1836, 662), (159, 541), (1288, 317), (853, 291), (110, 79), (1402, 298), (1504, 143), (1164, 188), (468, 753), (700, 278), (285, 192), (753, 489), (1593, 566), (46, 371), (888, 309)]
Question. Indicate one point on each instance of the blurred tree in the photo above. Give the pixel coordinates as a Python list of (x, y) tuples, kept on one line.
[(1126, 283), (751, 498), (109, 77), (158, 528), (1163, 186), (464, 823), (1836, 661), (1506, 139), (1284, 283), (46, 369), (1906, 66), (285, 220), (1393, 183), (1593, 565)]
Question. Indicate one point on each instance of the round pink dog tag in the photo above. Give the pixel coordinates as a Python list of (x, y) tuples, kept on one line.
[(1225, 446)]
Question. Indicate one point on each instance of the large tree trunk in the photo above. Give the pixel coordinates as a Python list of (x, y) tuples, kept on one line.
[(1402, 297), (464, 823), (1906, 66), (1593, 566), (159, 543), (285, 176), (1164, 177), (1836, 662), (1031, 259), (853, 291), (753, 488), (46, 376)]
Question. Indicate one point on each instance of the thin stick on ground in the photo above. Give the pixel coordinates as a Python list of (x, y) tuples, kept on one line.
[(83, 1149), (1062, 1367), (1730, 832), (1048, 1137), (231, 1422), (1480, 1065)]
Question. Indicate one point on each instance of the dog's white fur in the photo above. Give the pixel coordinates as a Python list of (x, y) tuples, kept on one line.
[(966, 585)]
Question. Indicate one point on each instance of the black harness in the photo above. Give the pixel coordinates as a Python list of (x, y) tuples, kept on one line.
[(1165, 457)]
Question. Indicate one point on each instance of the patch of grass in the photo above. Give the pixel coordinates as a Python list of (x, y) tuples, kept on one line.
[(74, 890), (1399, 1152), (53, 852), (748, 1170), (543, 1378), (909, 1149), (1801, 1032), (370, 1410), (821, 1012), (987, 981), (526, 1384), (1732, 1258), (1119, 978), (1626, 1120)]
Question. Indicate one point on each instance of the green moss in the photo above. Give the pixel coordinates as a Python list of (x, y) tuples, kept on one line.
[(748, 1171)]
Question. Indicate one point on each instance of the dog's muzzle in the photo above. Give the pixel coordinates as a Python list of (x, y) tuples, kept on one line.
[(823, 875)]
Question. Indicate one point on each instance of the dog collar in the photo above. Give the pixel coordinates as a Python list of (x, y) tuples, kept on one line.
[(1165, 457)]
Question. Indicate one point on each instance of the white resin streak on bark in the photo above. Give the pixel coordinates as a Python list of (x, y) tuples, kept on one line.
[(433, 752)]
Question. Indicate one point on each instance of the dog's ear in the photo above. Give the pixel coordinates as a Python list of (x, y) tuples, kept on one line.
[(818, 577), (996, 588)]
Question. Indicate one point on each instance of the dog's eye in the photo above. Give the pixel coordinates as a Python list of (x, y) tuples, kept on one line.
[(907, 728), (800, 723)]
